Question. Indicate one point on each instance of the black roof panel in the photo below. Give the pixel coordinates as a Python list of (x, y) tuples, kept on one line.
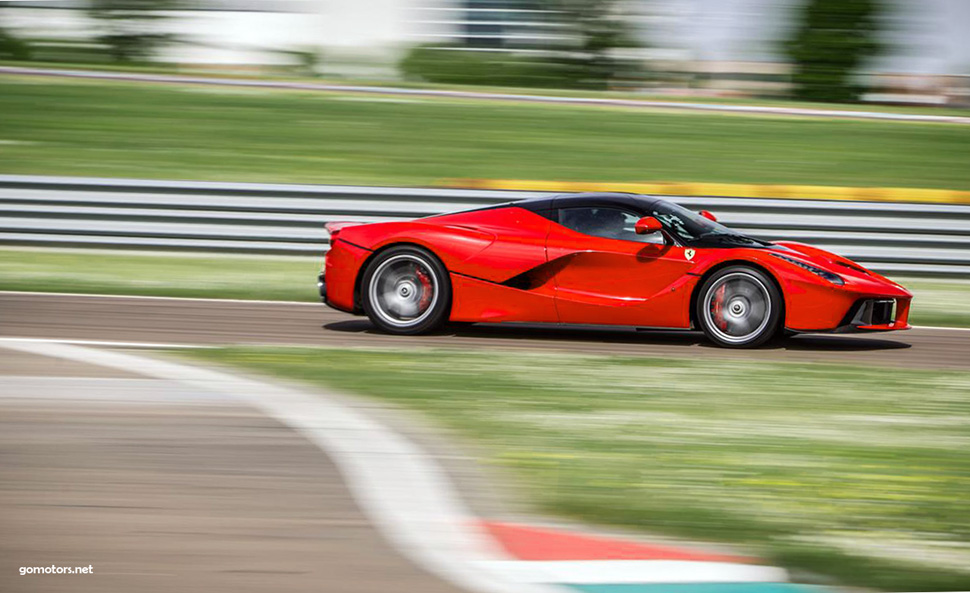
[(636, 201)]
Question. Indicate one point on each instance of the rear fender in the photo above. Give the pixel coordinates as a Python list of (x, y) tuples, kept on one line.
[(452, 244)]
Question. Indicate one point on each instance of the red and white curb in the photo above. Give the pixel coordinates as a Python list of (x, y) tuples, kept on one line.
[(553, 556)]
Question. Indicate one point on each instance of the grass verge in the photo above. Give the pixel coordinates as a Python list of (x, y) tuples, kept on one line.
[(149, 274), (292, 76), (856, 474), (937, 302), (123, 129)]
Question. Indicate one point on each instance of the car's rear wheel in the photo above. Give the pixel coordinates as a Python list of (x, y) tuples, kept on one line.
[(739, 307), (405, 290)]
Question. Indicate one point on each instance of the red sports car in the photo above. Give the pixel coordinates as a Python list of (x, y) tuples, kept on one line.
[(604, 258)]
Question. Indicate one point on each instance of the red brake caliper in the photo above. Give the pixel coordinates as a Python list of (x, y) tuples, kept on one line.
[(717, 308), (427, 289)]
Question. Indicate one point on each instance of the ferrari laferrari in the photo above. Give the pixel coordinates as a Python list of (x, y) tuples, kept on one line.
[(605, 259)]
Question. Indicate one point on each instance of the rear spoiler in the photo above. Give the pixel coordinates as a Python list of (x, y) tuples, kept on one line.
[(335, 227)]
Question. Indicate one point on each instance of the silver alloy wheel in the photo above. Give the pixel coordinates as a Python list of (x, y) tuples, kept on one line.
[(737, 307), (403, 290)]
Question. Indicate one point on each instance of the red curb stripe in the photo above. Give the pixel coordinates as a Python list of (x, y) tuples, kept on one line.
[(534, 543)]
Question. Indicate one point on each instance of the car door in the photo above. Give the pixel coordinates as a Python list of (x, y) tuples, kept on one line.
[(605, 273)]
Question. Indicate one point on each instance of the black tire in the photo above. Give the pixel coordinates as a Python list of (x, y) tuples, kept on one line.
[(739, 307), (395, 287)]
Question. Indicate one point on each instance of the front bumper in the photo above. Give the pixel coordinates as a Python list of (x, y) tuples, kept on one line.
[(876, 314), (865, 303)]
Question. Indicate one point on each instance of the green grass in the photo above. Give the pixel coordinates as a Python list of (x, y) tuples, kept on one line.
[(93, 272), (284, 74), (851, 473), (97, 128), (937, 302)]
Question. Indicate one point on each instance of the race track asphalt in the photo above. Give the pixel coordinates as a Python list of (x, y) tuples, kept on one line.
[(202, 322), (163, 486)]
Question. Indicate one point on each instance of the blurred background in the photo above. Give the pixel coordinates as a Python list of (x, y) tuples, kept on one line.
[(166, 171), (893, 51)]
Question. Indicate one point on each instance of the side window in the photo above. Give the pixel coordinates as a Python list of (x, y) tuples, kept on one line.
[(609, 223)]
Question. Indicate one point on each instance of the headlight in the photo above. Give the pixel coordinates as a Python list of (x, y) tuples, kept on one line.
[(833, 278)]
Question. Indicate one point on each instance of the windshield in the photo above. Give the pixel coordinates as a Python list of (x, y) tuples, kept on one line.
[(692, 228)]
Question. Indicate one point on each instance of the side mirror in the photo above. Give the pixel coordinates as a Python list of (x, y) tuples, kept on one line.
[(708, 215), (647, 225)]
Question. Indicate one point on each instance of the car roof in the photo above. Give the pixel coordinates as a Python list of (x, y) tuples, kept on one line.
[(588, 200)]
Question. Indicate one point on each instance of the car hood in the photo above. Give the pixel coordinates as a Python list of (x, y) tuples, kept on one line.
[(855, 275)]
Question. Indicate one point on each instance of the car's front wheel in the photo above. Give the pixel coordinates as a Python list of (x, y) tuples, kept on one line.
[(406, 290), (739, 307)]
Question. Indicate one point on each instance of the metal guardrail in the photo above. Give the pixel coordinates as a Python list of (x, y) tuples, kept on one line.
[(899, 238)]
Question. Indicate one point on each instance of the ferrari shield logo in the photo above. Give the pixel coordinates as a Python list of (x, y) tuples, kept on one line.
[(689, 253)]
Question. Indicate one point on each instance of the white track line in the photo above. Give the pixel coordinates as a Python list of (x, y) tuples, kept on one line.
[(404, 493), (616, 572)]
